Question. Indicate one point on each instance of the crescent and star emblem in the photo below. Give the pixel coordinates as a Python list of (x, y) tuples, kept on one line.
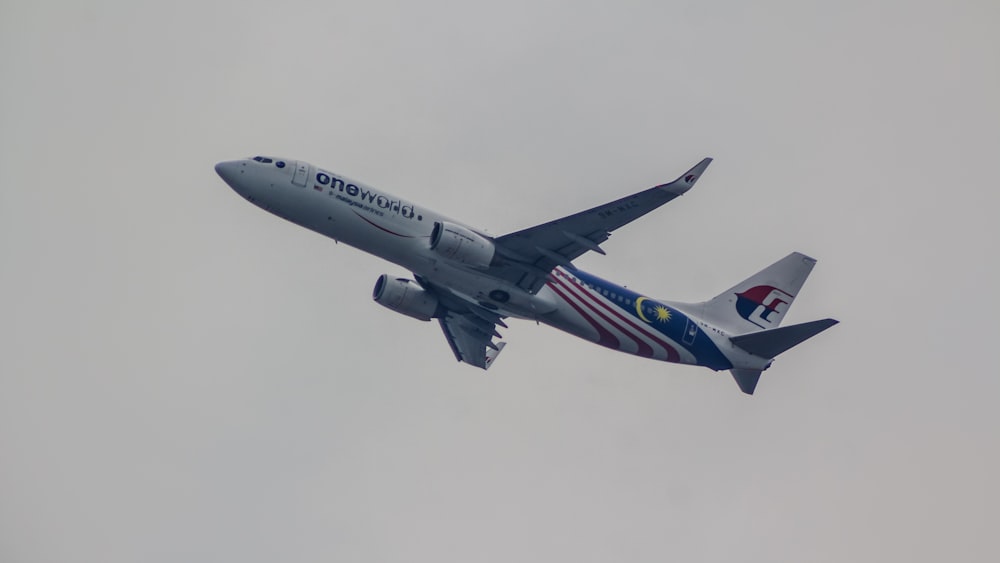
[(662, 313), (638, 309)]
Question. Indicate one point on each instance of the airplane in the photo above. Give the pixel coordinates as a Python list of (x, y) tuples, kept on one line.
[(470, 281)]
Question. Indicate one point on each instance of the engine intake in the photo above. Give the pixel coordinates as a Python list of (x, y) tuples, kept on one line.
[(459, 244), (405, 296)]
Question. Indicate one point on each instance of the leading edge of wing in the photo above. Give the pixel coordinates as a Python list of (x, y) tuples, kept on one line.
[(557, 242)]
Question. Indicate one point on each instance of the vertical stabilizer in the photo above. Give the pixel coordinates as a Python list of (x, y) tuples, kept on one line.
[(760, 301)]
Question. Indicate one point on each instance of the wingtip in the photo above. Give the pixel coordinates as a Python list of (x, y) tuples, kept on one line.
[(697, 170), (689, 178)]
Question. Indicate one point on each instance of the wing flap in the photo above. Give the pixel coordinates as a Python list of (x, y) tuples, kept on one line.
[(471, 338)]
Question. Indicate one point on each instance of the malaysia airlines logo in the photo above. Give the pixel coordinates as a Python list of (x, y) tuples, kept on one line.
[(763, 305)]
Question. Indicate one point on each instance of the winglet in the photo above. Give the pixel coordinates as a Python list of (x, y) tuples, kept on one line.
[(688, 179)]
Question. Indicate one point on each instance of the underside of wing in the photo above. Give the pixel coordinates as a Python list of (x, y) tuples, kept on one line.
[(471, 339), (469, 328), (528, 256)]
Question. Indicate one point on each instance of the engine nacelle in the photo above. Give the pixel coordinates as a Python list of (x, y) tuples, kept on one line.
[(405, 296), (459, 244)]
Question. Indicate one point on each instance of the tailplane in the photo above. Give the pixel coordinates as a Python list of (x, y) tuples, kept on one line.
[(770, 343), (760, 301), (753, 309)]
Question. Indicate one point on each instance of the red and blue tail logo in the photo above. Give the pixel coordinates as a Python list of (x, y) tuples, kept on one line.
[(763, 305)]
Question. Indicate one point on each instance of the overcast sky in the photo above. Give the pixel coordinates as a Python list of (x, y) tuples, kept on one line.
[(184, 377)]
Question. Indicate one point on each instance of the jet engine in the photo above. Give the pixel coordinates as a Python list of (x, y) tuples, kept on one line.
[(405, 296), (459, 244)]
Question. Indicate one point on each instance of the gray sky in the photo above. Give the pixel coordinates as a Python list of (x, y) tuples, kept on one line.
[(184, 377)]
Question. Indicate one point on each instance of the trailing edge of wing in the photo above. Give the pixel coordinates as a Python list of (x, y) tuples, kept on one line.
[(543, 247), (471, 338)]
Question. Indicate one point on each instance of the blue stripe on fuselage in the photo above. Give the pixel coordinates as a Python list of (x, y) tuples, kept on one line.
[(699, 344)]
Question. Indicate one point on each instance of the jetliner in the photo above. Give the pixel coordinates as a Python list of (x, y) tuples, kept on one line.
[(470, 281)]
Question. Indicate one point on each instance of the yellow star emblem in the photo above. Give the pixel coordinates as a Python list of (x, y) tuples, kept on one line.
[(662, 313)]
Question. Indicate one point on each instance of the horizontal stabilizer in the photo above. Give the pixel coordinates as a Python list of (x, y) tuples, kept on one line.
[(770, 343), (746, 379)]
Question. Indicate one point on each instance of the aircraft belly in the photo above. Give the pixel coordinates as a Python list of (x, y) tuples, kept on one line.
[(387, 238), (614, 323), (613, 333), (568, 320), (489, 292), (291, 205)]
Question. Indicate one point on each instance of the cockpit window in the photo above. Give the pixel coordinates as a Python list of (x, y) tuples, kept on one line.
[(263, 159)]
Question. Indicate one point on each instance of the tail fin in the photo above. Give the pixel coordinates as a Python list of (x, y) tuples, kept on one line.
[(760, 301)]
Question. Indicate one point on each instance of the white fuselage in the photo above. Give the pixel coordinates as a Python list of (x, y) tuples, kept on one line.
[(399, 231)]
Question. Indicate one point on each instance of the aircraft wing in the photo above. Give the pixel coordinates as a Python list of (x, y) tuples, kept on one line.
[(471, 338), (469, 328), (529, 255)]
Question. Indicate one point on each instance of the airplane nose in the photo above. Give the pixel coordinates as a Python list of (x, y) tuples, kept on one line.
[(229, 171)]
